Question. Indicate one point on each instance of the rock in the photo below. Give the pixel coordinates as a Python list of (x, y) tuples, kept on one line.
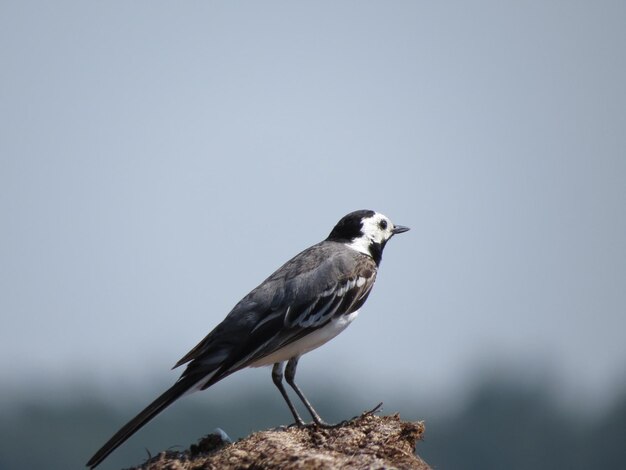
[(365, 442)]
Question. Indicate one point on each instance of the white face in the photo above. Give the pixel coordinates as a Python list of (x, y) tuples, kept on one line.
[(376, 229)]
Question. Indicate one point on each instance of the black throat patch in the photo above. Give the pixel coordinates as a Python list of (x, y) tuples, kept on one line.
[(376, 250)]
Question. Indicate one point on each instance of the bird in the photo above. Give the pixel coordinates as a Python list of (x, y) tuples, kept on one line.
[(305, 303)]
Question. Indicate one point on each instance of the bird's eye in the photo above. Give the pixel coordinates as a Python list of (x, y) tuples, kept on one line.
[(383, 224)]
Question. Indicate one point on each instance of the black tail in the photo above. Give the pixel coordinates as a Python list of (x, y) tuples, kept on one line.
[(135, 424)]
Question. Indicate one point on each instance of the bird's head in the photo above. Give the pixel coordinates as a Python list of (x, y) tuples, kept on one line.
[(365, 231)]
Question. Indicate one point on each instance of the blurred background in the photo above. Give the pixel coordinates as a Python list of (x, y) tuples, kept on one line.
[(159, 159)]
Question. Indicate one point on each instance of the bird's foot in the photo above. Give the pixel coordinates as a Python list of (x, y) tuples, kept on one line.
[(298, 424), (320, 423)]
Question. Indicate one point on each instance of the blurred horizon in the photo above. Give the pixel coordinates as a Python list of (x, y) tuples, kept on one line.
[(144, 387), (525, 421)]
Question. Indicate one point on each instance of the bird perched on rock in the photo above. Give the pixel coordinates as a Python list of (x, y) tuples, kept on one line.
[(308, 301)]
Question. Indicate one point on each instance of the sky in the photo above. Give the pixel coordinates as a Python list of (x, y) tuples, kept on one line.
[(158, 160)]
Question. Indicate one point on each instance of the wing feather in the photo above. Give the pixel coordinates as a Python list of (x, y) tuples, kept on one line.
[(318, 311)]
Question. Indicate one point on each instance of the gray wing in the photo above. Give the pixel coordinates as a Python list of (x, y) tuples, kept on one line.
[(339, 298), (304, 294)]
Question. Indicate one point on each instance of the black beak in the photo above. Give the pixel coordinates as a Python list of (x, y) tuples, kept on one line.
[(400, 229)]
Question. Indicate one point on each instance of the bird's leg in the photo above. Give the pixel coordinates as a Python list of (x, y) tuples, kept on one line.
[(290, 375), (277, 377)]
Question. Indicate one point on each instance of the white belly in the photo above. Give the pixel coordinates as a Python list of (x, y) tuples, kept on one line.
[(309, 342)]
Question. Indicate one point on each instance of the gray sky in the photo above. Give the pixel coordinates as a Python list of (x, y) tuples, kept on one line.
[(160, 159)]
